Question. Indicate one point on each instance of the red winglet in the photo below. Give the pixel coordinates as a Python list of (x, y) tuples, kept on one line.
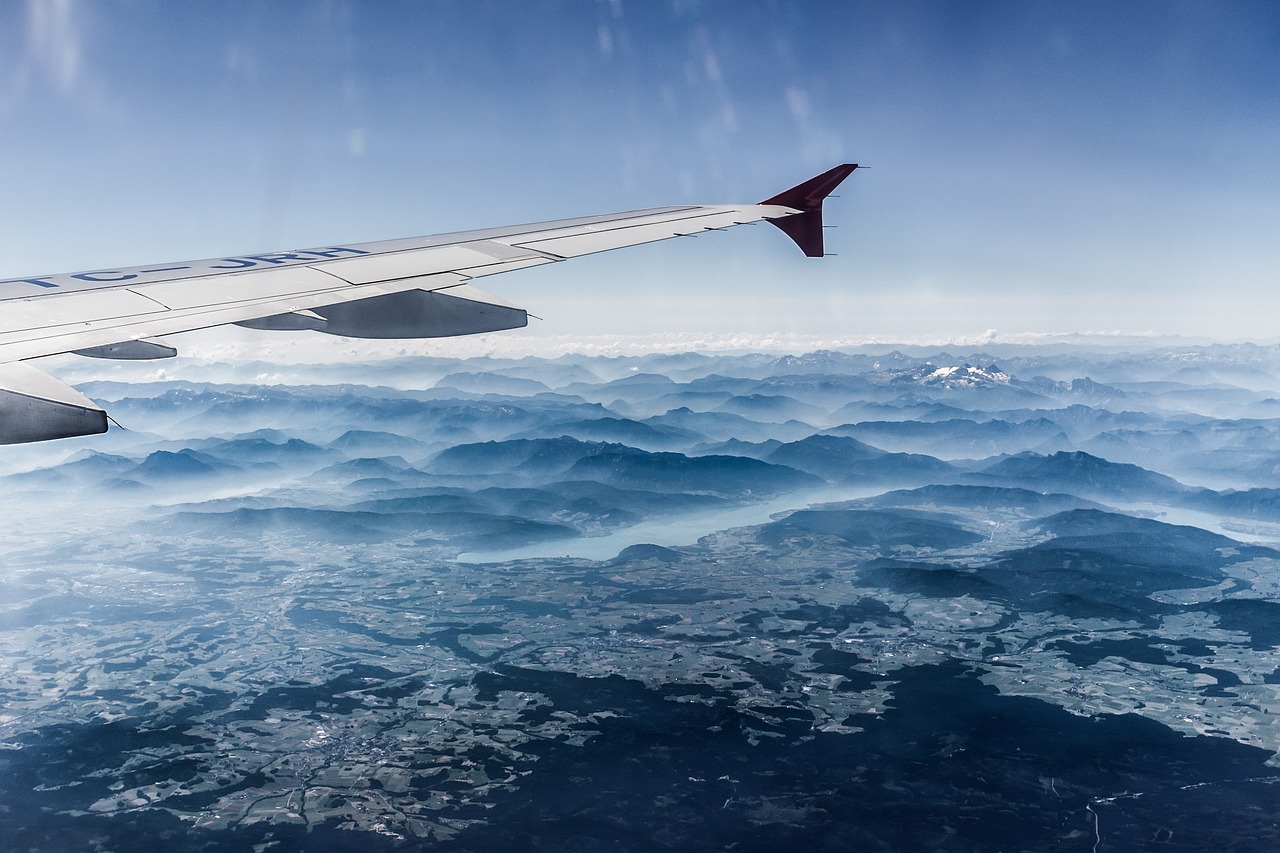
[(805, 228)]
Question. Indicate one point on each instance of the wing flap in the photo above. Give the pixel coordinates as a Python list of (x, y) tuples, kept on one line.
[(509, 266), (29, 315), (247, 287), (33, 343)]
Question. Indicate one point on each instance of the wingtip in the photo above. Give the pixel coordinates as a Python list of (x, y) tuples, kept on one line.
[(805, 228), (810, 194)]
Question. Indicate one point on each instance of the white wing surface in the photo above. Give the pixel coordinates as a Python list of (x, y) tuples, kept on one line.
[(410, 288)]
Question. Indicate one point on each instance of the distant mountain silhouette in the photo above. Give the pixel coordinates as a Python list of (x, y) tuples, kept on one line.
[(363, 442), (1080, 473), (86, 466), (621, 466), (637, 386), (979, 497), (291, 453), (594, 497), (904, 407), (959, 438), (735, 447), (492, 383), (648, 436), (389, 467), (698, 401), (773, 408), (733, 477), (720, 426), (529, 455), (1262, 504), (839, 459), (185, 464)]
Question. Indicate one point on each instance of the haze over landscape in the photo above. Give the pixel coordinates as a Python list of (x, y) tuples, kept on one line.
[(861, 600), (966, 537)]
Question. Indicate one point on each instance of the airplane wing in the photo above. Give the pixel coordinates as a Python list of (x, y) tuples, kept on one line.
[(411, 288)]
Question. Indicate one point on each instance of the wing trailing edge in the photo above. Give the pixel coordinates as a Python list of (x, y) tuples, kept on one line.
[(36, 407)]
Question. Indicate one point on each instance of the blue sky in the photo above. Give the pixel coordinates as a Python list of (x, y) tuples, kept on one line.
[(1035, 167)]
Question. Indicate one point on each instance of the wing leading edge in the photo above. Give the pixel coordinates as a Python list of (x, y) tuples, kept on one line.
[(411, 288)]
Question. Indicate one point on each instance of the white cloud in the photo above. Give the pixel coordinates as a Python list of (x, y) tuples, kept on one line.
[(234, 346), (355, 141), (797, 102), (53, 38)]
